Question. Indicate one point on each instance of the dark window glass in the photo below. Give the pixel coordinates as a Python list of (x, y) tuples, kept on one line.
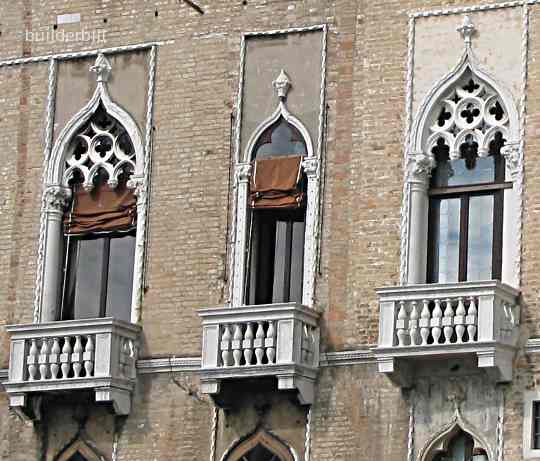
[(259, 453), (281, 138), (98, 277), (536, 425), (77, 457), (276, 257), (459, 449), (465, 217)]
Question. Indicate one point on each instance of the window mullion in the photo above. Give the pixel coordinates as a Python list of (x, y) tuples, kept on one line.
[(105, 276), (463, 237)]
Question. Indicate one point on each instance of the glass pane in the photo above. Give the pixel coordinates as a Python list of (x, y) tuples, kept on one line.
[(89, 278), (446, 244), (464, 171), (280, 139), (120, 279), (480, 244), (297, 261)]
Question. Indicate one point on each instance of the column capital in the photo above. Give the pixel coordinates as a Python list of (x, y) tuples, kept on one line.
[(243, 172), (57, 198), (511, 152), (419, 168), (310, 166)]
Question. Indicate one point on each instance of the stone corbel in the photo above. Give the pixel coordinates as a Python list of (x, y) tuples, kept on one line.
[(512, 154)]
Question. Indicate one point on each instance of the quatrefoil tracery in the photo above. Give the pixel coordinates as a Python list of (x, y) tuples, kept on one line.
[(102, 145), (471, 113)]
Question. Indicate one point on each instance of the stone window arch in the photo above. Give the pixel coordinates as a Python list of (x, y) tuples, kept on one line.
[(260, 446), (280, 137), (455, 444), (466, 118), (100, 146)]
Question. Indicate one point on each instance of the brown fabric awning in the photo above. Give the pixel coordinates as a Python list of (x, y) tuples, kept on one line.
[(102, 210), (275, 183)]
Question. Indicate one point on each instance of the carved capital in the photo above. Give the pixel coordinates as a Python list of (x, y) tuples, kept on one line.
[(136, 183), (102, 68), (420, 166), (57, 198), (243, 172), (310, 166), (512, 154)]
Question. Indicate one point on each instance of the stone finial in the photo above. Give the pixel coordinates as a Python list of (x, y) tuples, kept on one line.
[(102, 68), (282, 84), (467, 29)]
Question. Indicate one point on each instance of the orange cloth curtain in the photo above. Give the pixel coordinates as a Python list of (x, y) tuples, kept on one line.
[(102, 210), (276, 183)]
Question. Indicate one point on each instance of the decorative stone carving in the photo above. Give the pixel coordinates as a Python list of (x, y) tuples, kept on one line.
[(57, 198), (102, 145), (243, 172), (469, 114), (512, 155), (102, 68), (467, 30), (282, 84), (311, 166), (420, 166)]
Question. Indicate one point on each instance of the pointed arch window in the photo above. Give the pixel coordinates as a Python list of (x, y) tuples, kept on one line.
[(277, 208), (99, 227), (94, 173), (462, 203), (461, 447), (261, 446), (468, 130)]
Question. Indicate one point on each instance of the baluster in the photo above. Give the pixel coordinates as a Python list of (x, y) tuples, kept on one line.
[(424, 322), (459, 320), (54, 358), (402, 324), (32, 359), (76, 357), (248, 343), (65, 357), (270, 342), (44, 359), (88, 355), (436, 322), (448, 321), (413, 324), (471, 319), (259, 343), (226, 346), (237, 344)]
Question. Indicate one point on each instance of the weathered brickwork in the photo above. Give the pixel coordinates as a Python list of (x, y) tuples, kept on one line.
[(358, 414)]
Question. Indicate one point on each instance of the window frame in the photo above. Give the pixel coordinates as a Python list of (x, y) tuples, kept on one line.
[(420, 163), (529, 400), (57, 197), (464, 193)]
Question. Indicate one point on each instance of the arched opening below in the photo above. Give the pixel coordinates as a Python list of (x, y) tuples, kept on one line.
[(261, 446), (459, 447)]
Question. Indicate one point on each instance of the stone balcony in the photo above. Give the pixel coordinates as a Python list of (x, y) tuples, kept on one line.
[(274, 340), (422, 324), (97, 355)]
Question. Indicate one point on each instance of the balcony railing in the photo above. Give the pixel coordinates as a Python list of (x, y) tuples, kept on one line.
[(445, 321), (280, 340), (96, 354)]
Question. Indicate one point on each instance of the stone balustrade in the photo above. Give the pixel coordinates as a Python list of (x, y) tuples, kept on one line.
[(448, 320), (280, 340), (96, 354)]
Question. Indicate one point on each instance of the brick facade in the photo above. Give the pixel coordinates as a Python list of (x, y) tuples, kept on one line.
[(358, 413)]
